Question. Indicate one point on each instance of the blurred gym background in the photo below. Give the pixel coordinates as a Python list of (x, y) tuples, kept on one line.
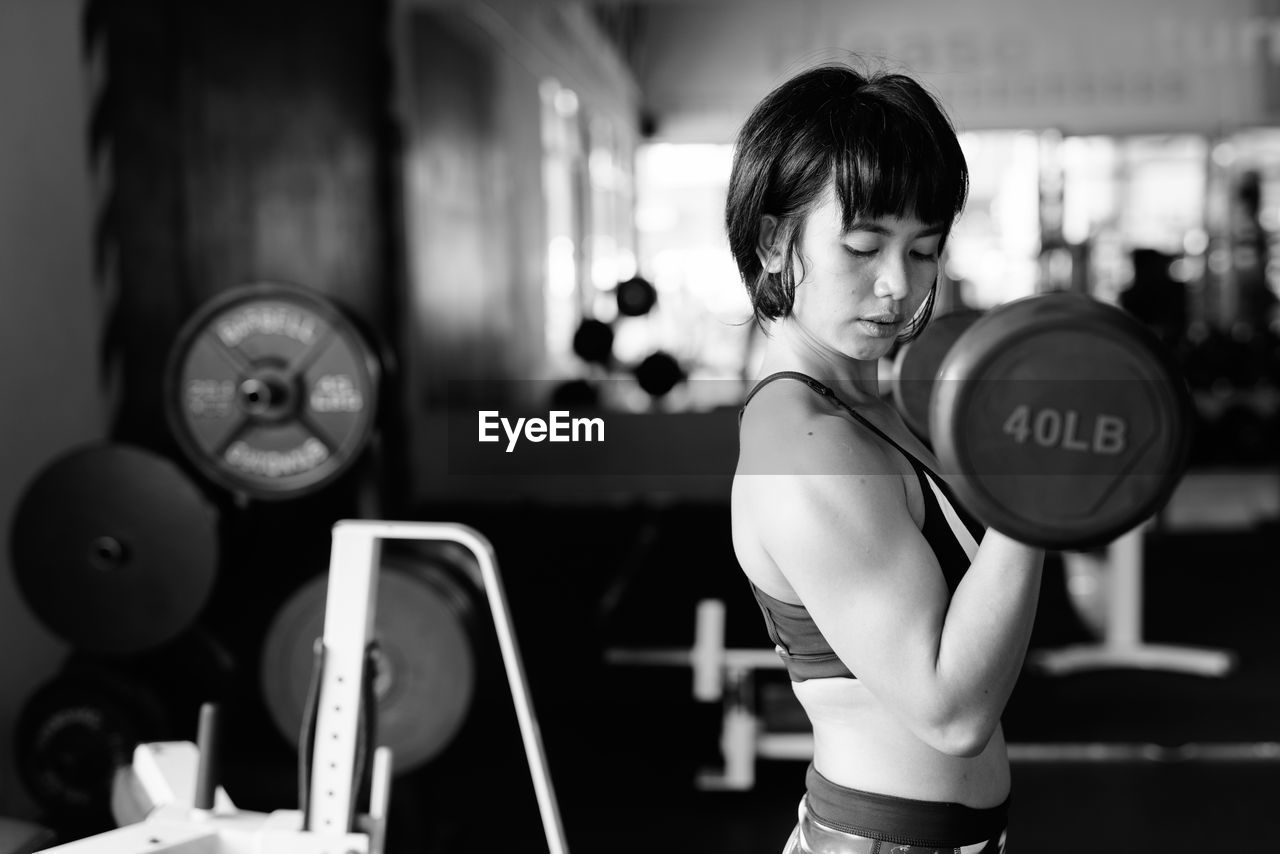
[(516, 205)]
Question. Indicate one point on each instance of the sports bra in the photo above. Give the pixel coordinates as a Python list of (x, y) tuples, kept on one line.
[(951, 533)]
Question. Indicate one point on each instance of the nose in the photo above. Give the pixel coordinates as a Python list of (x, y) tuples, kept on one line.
[(891, 279)]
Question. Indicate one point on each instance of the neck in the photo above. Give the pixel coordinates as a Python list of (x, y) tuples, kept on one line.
[(791, 347)]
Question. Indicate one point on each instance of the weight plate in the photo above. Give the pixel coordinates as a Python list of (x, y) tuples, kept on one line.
[(916, 366), (1063, 418), (114, 549), (75, 731), (425, 676), (271, 391)]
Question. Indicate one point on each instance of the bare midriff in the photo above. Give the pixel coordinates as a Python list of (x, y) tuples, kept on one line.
[(859, 745)]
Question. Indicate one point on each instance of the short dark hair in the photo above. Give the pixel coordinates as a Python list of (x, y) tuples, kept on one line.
[(882, 138)]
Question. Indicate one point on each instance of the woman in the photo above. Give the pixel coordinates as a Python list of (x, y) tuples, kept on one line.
[(903, 625)]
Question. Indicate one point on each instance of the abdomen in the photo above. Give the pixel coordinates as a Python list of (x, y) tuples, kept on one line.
[(860, 745)]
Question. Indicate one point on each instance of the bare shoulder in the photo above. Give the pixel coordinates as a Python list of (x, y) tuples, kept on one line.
[(788, 429), (808, 473)]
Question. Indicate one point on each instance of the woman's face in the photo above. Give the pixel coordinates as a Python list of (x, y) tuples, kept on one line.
[(863, 285)]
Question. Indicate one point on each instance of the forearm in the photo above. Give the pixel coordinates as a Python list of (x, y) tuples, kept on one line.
[(985, 633)]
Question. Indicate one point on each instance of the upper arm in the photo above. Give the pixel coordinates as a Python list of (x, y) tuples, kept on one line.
[(835, 521)]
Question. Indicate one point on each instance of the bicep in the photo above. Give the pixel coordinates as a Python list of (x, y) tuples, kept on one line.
[(850, 550)]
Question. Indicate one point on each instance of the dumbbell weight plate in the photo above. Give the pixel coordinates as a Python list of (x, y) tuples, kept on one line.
[(271, 391), (658, 373), (635, 297), (593, 341), (1063, 420), (916, 366)]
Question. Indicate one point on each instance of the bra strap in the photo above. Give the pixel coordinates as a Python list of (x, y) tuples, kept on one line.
[(939, 485), (787, 375)]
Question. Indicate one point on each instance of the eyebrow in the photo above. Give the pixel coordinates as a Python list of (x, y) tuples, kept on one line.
[(876, 228)]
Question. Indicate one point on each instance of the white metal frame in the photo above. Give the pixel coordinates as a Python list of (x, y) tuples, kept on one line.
[(165, 773)]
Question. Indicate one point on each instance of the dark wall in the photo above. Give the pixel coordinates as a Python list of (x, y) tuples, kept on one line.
[(49, 322), (466, 295), (248, 142)]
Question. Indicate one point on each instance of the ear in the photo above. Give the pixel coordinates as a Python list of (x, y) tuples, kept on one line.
[(767, 248)]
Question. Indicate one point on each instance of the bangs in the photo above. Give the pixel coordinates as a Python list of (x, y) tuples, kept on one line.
[(904, 169)]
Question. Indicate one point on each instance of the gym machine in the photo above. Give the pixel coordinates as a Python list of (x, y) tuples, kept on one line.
[(176, 782)]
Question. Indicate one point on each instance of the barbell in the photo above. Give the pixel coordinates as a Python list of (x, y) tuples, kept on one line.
[(1057, 419)]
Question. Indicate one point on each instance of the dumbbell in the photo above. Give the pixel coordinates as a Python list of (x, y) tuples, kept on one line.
[(916, 366), (1057, 419)]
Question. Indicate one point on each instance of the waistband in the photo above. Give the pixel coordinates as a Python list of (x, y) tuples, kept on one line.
[(901, 820)]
